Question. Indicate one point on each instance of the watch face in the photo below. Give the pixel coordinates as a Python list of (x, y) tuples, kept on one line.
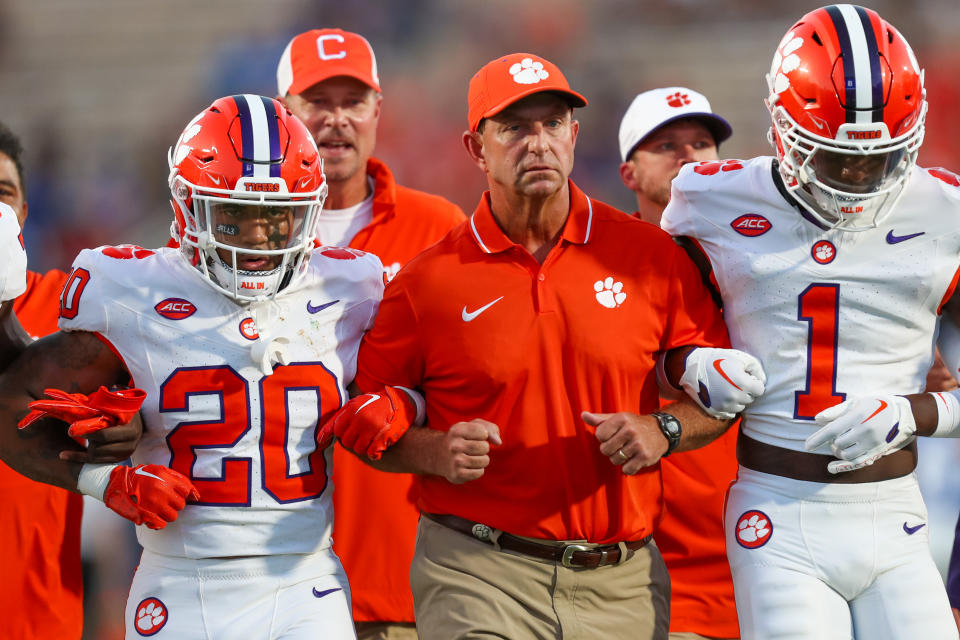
[(669, 424), (670, 427)]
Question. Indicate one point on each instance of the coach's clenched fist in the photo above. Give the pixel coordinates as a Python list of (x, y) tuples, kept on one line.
[(466, 450)]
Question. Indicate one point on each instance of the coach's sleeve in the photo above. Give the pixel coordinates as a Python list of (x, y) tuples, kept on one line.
[(391, 352), (694, 318)]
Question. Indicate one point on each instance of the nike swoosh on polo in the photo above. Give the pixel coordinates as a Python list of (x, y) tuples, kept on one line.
[(894, 239), (325, 592), (468, 316), (912, 530), (141, 472), (320, 307)]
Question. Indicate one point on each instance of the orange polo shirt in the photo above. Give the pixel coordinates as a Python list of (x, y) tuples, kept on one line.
[(375, 525), (41, 594), (485, 331)]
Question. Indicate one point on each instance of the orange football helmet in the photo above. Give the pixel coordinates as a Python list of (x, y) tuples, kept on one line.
[(247, 187), (848, 109)]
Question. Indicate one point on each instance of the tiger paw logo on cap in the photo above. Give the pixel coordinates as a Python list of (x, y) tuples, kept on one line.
[(528, 71), (678, 99)]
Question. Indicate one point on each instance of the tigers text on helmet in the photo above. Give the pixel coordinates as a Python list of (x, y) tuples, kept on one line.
[(848, 107), (247, 187)]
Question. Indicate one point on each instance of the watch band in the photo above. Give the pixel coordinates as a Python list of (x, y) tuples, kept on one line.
[(670, 427)]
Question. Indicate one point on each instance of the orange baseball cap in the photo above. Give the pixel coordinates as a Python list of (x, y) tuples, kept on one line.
[(319, 54), (503, 81)]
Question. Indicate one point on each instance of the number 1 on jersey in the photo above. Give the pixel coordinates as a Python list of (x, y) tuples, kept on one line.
[(819, 306)]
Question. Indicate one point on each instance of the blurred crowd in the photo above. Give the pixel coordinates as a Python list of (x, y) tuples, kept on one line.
[(98, 90)]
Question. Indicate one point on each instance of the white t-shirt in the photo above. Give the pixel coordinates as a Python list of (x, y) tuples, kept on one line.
[(336, 227)]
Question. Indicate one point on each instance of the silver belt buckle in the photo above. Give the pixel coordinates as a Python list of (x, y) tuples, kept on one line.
[(567, 558)]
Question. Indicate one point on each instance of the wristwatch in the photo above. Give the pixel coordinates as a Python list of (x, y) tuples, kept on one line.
[(670, 427)]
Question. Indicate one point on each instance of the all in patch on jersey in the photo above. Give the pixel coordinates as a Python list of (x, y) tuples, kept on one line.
[(175, 308), (751, 225), (151, 615), (248, 329), (823, 252), (754, 529)]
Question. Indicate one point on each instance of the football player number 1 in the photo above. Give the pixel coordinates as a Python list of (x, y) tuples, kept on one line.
[(232, 487), (818, 306)]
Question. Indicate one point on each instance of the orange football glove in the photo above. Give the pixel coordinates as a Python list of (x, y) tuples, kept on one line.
[(86, 414), (148, 494), (372, 422)]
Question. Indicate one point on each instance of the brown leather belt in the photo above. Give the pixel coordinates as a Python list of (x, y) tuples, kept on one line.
[(569, 555), (812, 467)]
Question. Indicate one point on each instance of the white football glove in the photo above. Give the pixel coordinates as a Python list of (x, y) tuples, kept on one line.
[(722, 381), (13, 259), (862, 430)]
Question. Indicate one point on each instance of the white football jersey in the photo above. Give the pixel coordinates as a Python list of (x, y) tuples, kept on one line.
[(13, 259), (245, 439), (830, 314)]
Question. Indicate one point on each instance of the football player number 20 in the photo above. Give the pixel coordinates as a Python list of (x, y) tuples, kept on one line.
[(232, 487), (818, 307)]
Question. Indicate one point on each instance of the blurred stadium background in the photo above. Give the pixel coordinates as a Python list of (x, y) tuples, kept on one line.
[(99, 89)]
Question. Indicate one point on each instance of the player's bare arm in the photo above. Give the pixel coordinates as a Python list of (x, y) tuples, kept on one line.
[(13, 338), (77, 362)]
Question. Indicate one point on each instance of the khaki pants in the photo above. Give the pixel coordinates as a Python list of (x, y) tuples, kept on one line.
[(464, 588), (386, 631)]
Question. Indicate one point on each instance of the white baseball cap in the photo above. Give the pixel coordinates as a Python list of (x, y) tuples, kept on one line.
[(652, 109)]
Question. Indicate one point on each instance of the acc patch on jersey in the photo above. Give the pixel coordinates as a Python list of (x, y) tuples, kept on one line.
[(150, 616), (754, 529), (175, 308), (751, 225)]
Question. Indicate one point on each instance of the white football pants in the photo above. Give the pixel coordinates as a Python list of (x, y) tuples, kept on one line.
[(284, 597), (833, 561)]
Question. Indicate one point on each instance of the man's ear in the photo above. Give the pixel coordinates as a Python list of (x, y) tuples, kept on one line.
[(473, 143), (626, 175)]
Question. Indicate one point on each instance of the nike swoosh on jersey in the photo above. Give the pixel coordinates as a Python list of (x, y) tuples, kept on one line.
[(912, 530), (319, 307), (141, 472), (325, 592), (373, 398), (894, 239), (468, 316)]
